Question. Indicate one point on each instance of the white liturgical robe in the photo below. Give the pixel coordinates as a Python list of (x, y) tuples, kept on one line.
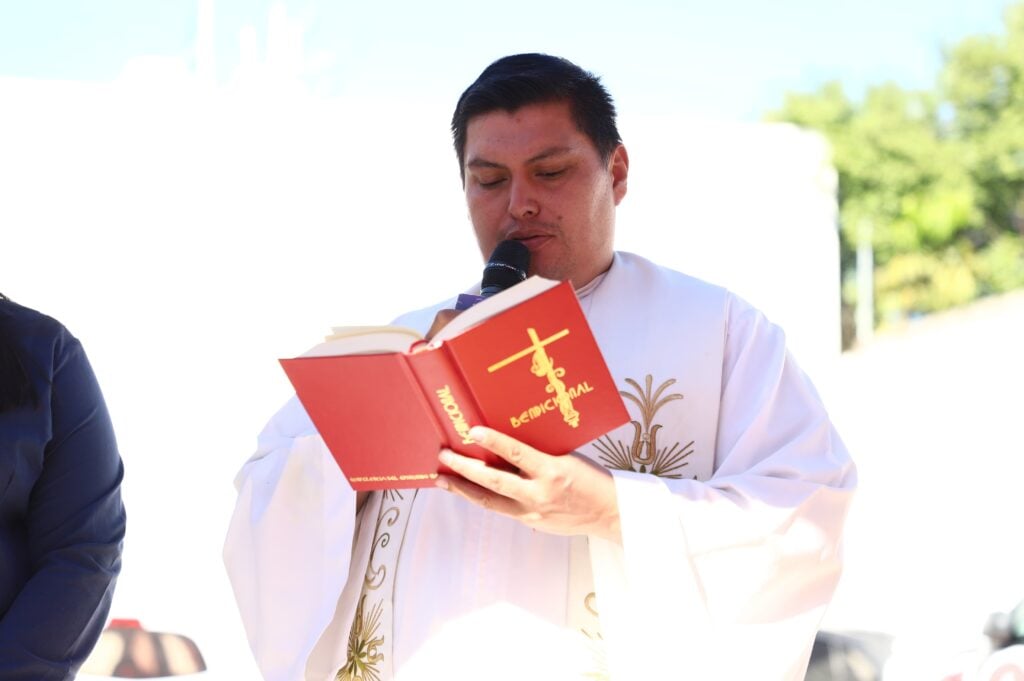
[(732, 488)]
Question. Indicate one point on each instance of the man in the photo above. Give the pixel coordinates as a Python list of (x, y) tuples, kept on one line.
[(699, 541), (62, 522)]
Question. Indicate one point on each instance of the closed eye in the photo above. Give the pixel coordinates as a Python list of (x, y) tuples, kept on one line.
[(489, 180)]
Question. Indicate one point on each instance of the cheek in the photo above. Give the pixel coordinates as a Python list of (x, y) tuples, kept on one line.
[(482, 206), (482, 225), (481, 217), (602, 202)]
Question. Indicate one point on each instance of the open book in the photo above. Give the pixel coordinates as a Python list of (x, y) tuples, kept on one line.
[(523, 361)]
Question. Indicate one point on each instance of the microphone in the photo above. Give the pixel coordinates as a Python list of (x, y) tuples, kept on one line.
[(505, 268)]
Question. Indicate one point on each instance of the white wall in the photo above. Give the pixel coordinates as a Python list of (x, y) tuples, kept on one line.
[(748, 206)]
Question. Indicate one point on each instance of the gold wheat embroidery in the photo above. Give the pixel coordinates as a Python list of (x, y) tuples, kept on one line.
[(643, 455), (365, 641), (364, 645)]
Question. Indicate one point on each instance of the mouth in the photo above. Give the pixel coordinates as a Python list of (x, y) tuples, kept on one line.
[(532, 240)]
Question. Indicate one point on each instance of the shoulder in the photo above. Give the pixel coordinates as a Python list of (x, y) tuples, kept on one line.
[(24, 321), (680, 293), (637, 271), (638, 275), (35, 334)]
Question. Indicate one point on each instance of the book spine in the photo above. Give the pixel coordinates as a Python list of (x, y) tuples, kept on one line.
[(450, 399)]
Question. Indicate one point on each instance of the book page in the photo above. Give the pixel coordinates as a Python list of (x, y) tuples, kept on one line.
[(488, 307), (345, 331), (365, 340)]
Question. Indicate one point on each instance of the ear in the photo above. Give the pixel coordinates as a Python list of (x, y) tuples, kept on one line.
[(618, 166)]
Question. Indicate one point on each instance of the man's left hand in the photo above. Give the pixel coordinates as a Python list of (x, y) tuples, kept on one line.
[(565, 495)]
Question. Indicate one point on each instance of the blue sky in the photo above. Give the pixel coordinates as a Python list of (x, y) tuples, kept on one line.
[(731, 59)]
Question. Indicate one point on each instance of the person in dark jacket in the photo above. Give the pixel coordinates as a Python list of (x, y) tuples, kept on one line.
[(62, 523)]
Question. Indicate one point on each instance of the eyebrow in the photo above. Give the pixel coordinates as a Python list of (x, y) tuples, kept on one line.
[(545, 154)]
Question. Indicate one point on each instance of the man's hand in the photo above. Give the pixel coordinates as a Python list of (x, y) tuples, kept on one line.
[(565, 495), (441, 319)]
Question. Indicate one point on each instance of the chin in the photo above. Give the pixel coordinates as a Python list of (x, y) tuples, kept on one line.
[(557, 275), (540, 266)]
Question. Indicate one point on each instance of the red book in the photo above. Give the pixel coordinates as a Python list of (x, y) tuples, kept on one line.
[(523, 361)]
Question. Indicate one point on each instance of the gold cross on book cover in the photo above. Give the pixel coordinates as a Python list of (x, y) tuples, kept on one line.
[(385, 402), (544, 366)]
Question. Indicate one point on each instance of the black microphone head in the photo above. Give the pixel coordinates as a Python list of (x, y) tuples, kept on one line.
[(506, 267)]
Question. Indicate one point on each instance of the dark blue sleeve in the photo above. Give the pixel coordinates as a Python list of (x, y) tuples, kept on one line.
[(75, 526)]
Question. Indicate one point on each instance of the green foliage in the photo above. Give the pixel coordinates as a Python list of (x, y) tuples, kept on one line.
[(918, 283), (934, 179), (1000, 266)]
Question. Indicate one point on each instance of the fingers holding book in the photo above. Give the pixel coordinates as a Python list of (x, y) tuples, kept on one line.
[(565, 495)]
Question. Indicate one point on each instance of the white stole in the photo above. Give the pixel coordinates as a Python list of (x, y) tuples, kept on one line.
[(662, 334)]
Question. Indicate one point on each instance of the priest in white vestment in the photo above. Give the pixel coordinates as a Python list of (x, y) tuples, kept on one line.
[(699, 541)]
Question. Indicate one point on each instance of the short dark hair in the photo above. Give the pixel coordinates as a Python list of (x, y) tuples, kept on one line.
[(521, 79)]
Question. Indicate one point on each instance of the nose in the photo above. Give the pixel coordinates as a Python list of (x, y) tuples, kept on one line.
[(522, 204)]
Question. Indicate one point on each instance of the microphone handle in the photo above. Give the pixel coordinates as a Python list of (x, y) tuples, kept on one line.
[(466, 301)]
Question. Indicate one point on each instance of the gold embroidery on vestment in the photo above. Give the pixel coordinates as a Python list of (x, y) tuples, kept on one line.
[(366, 649), (643, 455), (375, 576), (364, 644), (595, 644)]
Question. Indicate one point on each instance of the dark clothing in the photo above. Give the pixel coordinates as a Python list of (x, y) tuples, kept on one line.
[(62, 522)]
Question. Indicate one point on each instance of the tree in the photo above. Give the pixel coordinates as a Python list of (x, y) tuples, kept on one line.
[(934, 179), (983, 84)]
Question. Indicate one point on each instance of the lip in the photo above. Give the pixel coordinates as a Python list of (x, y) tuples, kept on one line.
[(532, 240)]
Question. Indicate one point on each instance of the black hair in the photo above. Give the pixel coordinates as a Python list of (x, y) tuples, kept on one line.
[(16, 388), (518, 80)]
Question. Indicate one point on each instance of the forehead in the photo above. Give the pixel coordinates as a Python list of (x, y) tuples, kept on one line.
[(525, 132)]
